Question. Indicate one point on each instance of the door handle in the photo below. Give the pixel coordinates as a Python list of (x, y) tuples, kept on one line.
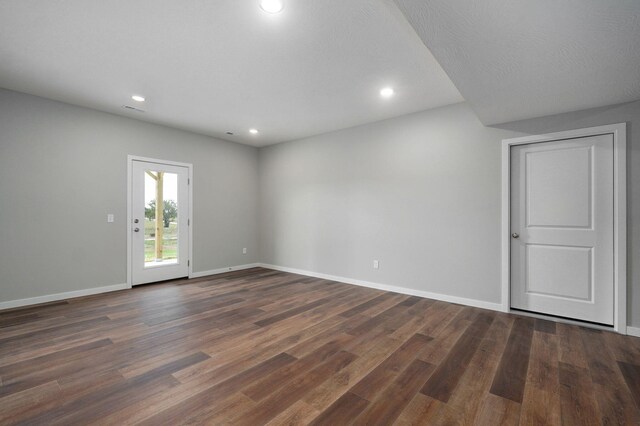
[(136, 230), (515, 235)]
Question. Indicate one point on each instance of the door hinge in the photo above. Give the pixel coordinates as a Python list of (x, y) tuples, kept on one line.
[(188, 263), (188, 181), (188, 222)]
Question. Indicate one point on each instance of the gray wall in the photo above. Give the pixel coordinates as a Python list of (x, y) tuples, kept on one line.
[(420, 193), (63, 168)]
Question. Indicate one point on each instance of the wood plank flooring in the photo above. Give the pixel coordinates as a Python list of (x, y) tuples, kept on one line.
[(264, 347)]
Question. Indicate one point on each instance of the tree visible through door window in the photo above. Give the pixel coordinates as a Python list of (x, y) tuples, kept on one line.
[(161, 218)]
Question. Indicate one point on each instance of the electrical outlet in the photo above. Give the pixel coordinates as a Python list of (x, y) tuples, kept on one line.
[(244, 250), (110, 218), (376, 264)]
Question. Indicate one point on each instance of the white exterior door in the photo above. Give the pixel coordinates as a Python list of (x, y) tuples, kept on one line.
[(160, 220), (562, 224)]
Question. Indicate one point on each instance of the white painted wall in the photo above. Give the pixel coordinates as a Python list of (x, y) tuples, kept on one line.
[(63, 168), (420, 193)]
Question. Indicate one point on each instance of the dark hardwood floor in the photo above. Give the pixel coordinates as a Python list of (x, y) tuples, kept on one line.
[(258, 346)]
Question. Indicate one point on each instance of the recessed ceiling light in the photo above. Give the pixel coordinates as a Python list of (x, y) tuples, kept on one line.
[(138, 98), (230, 133), (387, 92), (253, 131), (272, 6)]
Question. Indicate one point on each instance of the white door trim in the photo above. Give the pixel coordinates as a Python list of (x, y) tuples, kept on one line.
[(130, 160), (619, 215)]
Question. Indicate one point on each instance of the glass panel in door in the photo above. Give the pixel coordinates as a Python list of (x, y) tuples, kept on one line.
[(161, 210)]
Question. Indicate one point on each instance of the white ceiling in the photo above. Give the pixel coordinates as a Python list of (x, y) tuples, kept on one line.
[(223, 65), (520, 59)]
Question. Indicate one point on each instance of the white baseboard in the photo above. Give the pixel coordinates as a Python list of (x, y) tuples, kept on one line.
[(223, 270), (106, 289), (403, 290), (61, 296), (631, 331)]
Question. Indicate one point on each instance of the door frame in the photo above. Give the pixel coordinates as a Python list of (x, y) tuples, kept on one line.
[(189, 166), (619, 132)]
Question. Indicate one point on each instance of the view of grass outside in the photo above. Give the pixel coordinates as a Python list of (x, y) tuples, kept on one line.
[(170, 241)]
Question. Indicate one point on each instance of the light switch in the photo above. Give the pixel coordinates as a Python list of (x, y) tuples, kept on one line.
[(110, 218)]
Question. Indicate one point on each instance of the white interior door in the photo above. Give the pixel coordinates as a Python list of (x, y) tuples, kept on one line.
[(562, 245), (160, 220)]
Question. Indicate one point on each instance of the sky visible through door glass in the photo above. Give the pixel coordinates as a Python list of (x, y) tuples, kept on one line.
[(170, 188)]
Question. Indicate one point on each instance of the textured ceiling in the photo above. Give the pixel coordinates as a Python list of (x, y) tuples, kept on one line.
[(223, 65), (520, 59)]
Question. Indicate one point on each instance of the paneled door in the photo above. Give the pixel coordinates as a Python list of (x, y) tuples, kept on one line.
[(160, 221), (562, 224)]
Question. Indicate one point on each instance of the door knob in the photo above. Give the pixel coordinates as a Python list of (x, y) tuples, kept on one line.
[(515, 235), (136, 221), (136, 230)]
